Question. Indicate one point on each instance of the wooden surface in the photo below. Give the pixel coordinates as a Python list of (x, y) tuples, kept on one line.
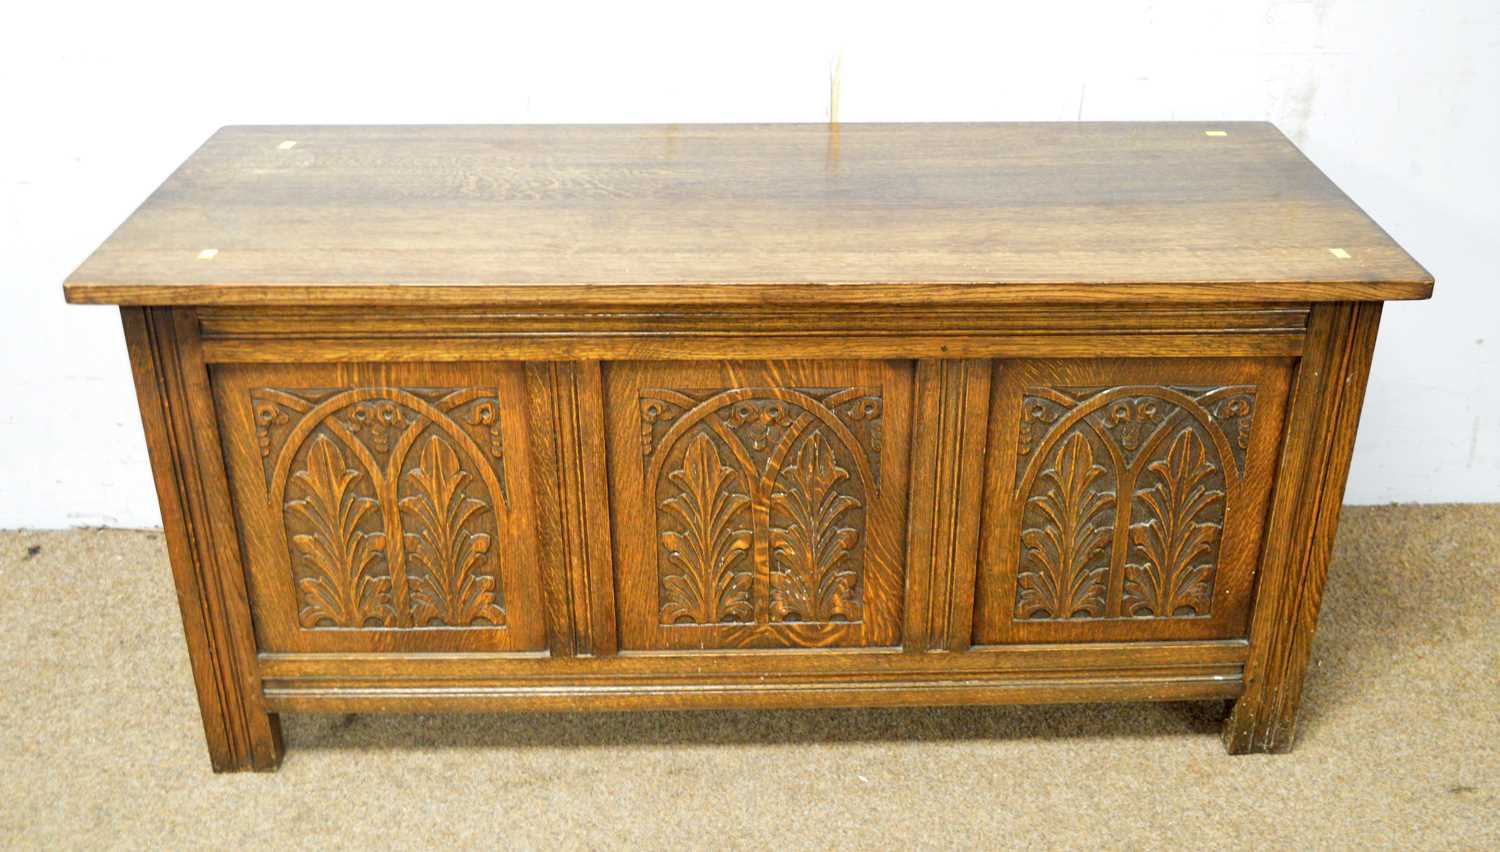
[(759, 504), (1109, 468), (1328, 392), (762, 214), (643, 513), (1126, 497), (171, 385), (398, 497)]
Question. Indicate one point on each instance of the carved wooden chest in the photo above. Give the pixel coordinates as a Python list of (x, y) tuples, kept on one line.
[(489, 418)]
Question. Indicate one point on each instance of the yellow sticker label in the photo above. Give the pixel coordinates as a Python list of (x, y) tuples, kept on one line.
[(1339, 253), (1216, 133)]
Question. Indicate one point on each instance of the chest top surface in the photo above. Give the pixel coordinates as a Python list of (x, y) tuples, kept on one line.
[(726, 214)]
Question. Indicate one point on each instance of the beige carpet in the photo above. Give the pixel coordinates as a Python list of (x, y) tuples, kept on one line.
[(101, 744)]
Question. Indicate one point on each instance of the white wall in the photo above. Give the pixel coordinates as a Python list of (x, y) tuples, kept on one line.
[(1398, 101)]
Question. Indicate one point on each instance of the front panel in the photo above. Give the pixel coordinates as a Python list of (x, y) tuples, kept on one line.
[(383, 507), (758, 503), (1125, 499)]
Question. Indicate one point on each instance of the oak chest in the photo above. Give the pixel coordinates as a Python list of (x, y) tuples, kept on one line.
[(489, 418)]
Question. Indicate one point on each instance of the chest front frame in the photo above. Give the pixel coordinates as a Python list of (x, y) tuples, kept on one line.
[(951, 369)]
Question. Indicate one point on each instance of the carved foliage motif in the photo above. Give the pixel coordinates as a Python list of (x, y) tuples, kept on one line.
[(450, 587), (1124, 494), (1073, 521), (345, 581), (811, 578), (761, 497), (707, 539), (391, 500), (1173, 575)]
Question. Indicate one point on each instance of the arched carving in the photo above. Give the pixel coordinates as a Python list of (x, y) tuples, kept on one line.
[(761, 497), (392, 501), (1122, 494)]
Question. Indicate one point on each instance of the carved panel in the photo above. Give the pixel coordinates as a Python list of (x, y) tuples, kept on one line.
[(814, 573), (389, 499), (1066, 536), (760, 423), (448, 548), (705, 531), (1177, 538), (340, 552), (759, 504), (1123, 493), (761, 497)]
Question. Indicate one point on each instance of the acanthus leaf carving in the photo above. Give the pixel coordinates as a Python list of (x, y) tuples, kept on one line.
[(1060, 575), (809, 578), (352, 506), (802, 464), (707, 545), (448, 588), (1174, 455), (1169, 579), (338, 554)]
